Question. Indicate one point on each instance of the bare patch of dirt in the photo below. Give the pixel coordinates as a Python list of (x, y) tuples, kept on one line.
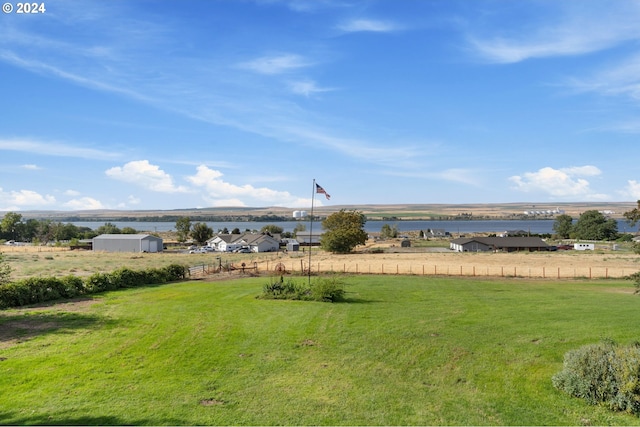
[(211, 402)]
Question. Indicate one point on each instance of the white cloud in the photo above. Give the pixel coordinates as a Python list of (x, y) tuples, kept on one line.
[(221, 193), (146, 175), (367, 25), (31, 167), (72, 193), (632, 190), (84, 203), (16, 200), (276, 64), (560, 183), (307, 87)]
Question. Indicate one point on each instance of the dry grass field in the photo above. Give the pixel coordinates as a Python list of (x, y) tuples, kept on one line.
[(43, 261)]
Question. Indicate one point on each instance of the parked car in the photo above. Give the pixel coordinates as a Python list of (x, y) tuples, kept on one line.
[(565, 247), (243, 251), (198, 251)]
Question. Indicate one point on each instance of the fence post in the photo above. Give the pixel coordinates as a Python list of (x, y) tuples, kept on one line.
[(502, 271), (606, 273), (543, 275)]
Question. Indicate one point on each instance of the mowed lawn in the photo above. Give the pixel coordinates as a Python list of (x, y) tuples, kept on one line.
[(400, 351)]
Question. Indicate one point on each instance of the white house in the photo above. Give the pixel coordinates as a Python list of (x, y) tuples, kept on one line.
[(254, 241)]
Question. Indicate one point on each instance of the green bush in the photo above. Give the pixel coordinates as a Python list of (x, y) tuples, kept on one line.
[(329, 289), (40, 289), (322, 289), (281, 289), (604, 373)]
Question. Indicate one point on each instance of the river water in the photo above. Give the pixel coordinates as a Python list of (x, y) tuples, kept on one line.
[(541, 226)]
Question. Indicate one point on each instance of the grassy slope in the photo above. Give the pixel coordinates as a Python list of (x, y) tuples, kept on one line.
[(403, 350)]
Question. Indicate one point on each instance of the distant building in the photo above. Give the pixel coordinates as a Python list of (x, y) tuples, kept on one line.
[(495, 244), (127, 243)]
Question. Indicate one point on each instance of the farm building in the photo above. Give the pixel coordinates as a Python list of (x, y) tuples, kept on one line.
[(127, 243), (504, 244)]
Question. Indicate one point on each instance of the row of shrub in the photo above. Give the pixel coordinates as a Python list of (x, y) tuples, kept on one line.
[(40, 289), (604, 373), (326, 289)]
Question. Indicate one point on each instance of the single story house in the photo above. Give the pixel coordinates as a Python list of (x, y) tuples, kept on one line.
[(304, 237), (127, 243), (495, 244), (436, 232), (254, 241)]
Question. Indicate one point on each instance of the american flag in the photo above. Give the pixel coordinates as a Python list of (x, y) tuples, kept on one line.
[(321, 190)]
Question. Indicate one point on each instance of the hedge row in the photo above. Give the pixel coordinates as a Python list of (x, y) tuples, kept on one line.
[(40, 289)]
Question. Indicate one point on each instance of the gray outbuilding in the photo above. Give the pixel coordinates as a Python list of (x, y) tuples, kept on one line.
[(127, 243)]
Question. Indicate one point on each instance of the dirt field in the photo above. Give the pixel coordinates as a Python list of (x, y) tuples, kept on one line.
[(35, 261)]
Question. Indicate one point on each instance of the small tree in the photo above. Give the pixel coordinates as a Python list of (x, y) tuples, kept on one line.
[(201, 232), (389, 232), (344, 231), (183, 227), (272, 229)]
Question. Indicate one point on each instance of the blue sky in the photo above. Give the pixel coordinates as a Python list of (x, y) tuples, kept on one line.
[(182, 103)]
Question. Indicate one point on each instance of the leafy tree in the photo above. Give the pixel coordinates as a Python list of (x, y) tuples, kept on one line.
[(5, 271), (272, 229), (563, 226), (235, 231), (201, 232), (344, 230), (12, 225), (183, 227), (389, 232), (108, 228), (592, 225), (129, 230), (633, 216)]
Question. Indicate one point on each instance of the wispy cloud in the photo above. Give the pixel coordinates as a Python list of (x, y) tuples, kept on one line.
[(566, 29), (276, 64), (307, 88), (54, 149), (368, 25)]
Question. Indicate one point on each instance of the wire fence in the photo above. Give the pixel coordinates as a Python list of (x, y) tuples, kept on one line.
[(472, 270)]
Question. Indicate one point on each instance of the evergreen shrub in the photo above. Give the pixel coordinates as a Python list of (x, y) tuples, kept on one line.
[(604, 373)]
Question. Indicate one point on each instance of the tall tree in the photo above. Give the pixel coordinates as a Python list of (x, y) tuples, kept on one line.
[(11, 225), (201, 232), (563, 226), (344, 230), (272, 229), (592, 225), (183, 228)]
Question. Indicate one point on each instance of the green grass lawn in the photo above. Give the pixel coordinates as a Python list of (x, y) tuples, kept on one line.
[(400, 351)]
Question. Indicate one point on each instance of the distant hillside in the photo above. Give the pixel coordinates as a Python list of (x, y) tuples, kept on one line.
[(372, 211)]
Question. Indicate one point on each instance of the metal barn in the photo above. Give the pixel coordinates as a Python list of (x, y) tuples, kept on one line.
[(127, 243)]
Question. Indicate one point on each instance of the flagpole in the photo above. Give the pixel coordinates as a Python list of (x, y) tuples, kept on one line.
[(313, 195)]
